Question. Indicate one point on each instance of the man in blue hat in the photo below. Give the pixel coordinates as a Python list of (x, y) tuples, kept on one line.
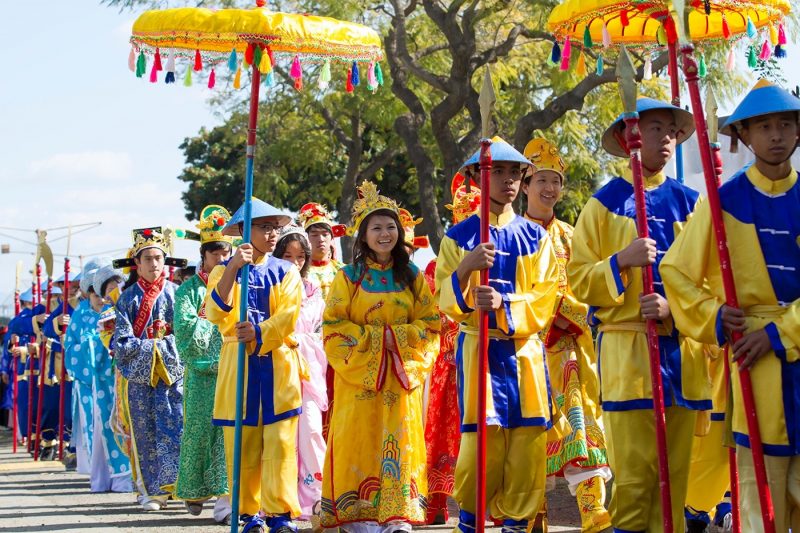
[(761, 212), (273, 395), (520, 300), (604, 273), (17, 334)]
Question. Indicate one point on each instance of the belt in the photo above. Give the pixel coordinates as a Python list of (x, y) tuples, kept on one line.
[(493, 333), (765, 311), (638, 327)]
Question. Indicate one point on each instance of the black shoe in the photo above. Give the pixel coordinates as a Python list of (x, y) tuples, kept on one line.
[(48, 454), (695, 526)]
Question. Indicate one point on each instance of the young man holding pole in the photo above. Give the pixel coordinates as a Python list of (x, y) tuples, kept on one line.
[(761, 212), (603, 273), (519, 299)]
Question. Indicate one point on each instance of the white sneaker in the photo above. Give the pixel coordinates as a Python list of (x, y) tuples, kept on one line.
[(153, 505)]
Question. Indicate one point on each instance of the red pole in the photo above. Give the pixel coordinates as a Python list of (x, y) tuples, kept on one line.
[(63, 377), (765, 498), (15, 375), (42, 373), (673, 74), (37, 298), (483, 345), (634, 140)]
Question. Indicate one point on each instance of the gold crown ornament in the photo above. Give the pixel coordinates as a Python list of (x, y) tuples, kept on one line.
[(368, 202), (314, 213), (466, 198), (544, 156), (154, 237), (408, 222), (212, 219)]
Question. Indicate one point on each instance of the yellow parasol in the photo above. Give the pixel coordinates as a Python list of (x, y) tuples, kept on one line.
[(253, 38)]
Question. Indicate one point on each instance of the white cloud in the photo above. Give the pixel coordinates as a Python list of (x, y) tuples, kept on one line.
[(105, 165)]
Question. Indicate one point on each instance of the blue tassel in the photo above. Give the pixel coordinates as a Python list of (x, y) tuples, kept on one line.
[(269, 81), (356, 77), (599, 65), (752, 32), (233, 61), (170, 77), (555, 55), (780, 51)]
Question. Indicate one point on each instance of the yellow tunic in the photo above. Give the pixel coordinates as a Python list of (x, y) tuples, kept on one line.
[(323, 273), (381, 341), (577, 435)]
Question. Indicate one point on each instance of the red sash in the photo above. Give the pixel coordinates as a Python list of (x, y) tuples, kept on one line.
[(151, 292)]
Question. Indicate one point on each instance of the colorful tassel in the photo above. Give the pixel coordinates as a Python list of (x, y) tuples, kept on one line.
[(599, 69), (566, 55), (171, 61), (606, 36), (198, 61), (647, 71), (661, 35), (324, 75), (269, 79), (132, 60), (355, 74), (249, 54), (580, 68), (212, 79), (298, 84), (766, 51), (623, 18), (726, 30), (555, 54), (379, 74), (153, 73), (731, 63), (773, 34), (264, 64), (752, 59), (707, 7), (372, 82), (157, 60), (170, 77), (349, 83), (751, 28), (271, 56), (233, 61), (587, 37), (296, 71), (237, 79), (141, 65), (702, 69), (257, 55), (187, 80), (781, 35), (780, 51)]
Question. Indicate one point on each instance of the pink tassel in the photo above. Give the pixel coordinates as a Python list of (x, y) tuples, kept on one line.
[(153, 73), (372, 79), (606, 36), (766, 51), (781, 35), (132, 60), (296, 71), (731, 61), (565, 53), (212, 79)]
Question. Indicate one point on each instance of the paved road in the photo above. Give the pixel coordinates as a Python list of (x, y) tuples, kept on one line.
[(43, 497)]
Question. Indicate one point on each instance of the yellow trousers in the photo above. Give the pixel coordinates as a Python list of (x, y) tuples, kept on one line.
[(783, 475), (633, 457), (709, 474), (515, 471), (269, 468)]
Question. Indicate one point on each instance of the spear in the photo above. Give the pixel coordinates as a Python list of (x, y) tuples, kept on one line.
[(713, 137), (626, 79), (690, 70), (15, 373), (32, 380), (486, 101), (42, 251), (63, 377)]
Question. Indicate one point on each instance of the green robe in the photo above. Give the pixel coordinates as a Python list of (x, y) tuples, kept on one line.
[(202, 472)]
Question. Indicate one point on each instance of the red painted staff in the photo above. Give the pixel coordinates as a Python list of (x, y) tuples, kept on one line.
[(14, 362), (628, 92), (42, 252), (690, 70), (63, 377), (37, 297)]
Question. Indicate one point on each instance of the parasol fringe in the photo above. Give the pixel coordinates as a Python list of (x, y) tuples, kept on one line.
[(726, 29), (751, 29), (780, 51), (766, 51), (324, 75), (170, 77), (153, 73), (248, 54), (702, 69), (198, 61), (773, 35), (606, 36), (566, 55), (212, 79), (141, 65), (269, 80), (237, 79), (265, 63), (157, 60), (355, 74), (349, 82), (731, 63), (379, 74), (752, 59), (132, 60), (623, 18), (580, 68), (587, 37), (233, 61), (599, 68), (555, 54), (781, 35), (187, 80), (647, 71)]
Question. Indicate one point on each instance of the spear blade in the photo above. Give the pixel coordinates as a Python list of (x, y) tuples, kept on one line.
[(626, 80), (681, 17), (711, 115), (486, 100)]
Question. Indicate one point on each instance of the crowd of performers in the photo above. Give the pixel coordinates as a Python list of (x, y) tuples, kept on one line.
[(360, 402)]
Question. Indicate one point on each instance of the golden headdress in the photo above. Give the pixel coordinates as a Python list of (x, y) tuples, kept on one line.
[(408, 222), (151, 238), (544, 156), (367, 203), (213, 218), (465, 204), (314, 213)]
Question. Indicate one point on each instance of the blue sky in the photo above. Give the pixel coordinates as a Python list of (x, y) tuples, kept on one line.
[(83, 140)]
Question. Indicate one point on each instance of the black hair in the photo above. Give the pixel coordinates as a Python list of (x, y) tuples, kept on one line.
[(210, 247), (401, 260), (118, 279), (320, 225), (134, 277), (283, 243)]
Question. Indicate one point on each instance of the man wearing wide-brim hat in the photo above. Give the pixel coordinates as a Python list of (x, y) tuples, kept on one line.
[(761, 211), (604, 272)]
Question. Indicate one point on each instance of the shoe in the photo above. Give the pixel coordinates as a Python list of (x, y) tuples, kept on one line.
[(253, 524), (225, 521), (194, 508), (695, 526), (48, 453), (70, 461), (153, 505)]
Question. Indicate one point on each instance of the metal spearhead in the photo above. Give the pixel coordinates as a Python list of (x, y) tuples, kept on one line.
[(711, 115), (486, 101), (43, 252), (18, 276), (626, 80), (680, 15)]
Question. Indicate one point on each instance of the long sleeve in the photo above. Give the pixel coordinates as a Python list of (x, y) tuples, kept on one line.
[(784, 333), (595, 279), (197, 340), (285, 300), (684, 271), (455, 301)]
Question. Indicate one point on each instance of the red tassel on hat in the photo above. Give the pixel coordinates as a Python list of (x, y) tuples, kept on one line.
[(198, 61)]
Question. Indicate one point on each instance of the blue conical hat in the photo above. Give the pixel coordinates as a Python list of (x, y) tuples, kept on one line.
[(501, 151), (259, 209), (683, 119), (764, 98)]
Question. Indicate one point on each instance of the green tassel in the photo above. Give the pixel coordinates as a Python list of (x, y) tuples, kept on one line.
[(379, 74), (187, 80), (141, 65), (257, 56), (752, 58), (587, 37), (702, 70), (599, 65)]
